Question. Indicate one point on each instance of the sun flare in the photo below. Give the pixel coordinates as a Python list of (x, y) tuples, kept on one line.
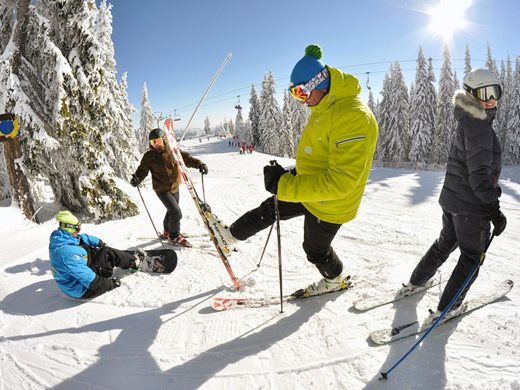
[(448, 17)]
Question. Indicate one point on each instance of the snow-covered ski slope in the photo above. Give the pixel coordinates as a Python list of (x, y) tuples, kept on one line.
[(158, 332)]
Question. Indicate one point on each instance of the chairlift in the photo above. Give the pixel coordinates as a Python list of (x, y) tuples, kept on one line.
[(368, 80), (176, 117), (238, 106)]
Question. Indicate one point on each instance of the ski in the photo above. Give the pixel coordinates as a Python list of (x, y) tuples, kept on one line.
[(385, 298), (202, 207), (385, 336), (220, 303)]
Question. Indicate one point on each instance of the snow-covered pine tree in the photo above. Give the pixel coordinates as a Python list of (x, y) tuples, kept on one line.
[(286, 130), (239, 125), (371, 103), (300, 116), (444, 118), (512, 143), (491, 64), (270, 116), (57, 91), (422, 102), (383, 113), (398, 117), (207, 126), (502, 117), (146, 122), (467, 64), (254, 116)]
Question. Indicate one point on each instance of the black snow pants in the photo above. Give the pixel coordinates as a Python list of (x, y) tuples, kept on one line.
[(467, 232), (317, 234)]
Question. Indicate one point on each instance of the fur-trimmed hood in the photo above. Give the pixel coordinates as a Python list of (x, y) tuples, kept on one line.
[(466, 104)]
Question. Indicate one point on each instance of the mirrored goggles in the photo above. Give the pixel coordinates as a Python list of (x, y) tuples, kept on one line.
[(157, 141), (487, 93), (302, 92), (77, 227)]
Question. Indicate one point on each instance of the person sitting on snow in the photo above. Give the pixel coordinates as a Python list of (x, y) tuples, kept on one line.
[(82, 264)]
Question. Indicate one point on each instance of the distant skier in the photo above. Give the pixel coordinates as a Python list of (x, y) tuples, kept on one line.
[(469, 196), (160, 162), (82, 264), (333, 162)]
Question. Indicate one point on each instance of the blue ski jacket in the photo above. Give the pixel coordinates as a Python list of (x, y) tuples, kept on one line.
[(69, 262)]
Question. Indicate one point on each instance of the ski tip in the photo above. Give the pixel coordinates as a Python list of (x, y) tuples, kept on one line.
[(384, 375)]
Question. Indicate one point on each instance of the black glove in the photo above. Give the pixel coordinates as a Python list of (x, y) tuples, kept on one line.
[(135, 180), (272, 174), (203, 168), (496, 216), (116, 282)]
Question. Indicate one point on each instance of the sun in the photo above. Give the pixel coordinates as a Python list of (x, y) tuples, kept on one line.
[(448, 17)]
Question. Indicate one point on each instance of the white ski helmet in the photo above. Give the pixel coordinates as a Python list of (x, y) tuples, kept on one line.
[(480, 78)]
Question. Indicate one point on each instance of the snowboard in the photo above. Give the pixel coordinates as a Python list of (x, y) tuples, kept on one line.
[(163, 261)]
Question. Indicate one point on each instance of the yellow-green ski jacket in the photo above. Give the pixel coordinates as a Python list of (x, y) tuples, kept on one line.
[(334, 153)]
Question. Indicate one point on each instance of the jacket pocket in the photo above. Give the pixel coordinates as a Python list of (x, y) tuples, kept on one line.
[(352, 139)]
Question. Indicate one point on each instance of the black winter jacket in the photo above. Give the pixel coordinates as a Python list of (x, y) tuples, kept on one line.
[(475, 160)]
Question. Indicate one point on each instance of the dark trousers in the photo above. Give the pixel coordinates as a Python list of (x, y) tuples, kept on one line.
[(467, 232), (102, 261), (172, 219), (317, 234)]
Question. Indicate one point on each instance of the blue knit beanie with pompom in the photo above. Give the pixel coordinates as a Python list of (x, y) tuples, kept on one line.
[(309, 66)]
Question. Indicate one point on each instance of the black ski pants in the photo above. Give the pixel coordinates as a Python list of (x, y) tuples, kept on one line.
[(172, 219), (467, 232), (317, 234), (102, 261)]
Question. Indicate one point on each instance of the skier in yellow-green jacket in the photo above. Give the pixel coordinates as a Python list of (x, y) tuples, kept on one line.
[(333, 162)]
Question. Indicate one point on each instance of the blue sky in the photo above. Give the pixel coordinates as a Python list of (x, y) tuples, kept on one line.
[(176, 46)]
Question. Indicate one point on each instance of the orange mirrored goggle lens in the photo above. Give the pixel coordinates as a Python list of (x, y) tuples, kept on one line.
[(299, 92), (157, 141)]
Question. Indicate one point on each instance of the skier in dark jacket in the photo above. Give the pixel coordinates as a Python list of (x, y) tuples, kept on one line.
[(82, 264), (160, 162), (469, 196)]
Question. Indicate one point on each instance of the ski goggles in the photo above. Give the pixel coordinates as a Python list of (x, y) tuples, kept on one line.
[(486, 93), (157, 141), (302, 92), (77, 227)]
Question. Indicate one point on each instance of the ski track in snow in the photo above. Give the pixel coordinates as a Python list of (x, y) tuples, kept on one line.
[(157, 331)]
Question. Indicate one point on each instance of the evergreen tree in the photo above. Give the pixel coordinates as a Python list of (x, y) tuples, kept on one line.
[(299, 118), (445, 123), (287, 129), (254, 116), (467, 62), (383, 117), (511, 146), (502, 117), (423, 109), (239, 124), (270, 116), (490, 61), (207, 126), (146, 123), (398, 140)]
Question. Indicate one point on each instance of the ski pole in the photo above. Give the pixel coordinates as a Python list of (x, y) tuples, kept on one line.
[(265, 246), (149, 216), (384, 375), (215, 77), (278, 236)]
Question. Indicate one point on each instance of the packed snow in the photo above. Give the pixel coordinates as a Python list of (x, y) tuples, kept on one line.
[(158, 331)]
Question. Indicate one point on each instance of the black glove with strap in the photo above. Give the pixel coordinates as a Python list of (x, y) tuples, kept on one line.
[(203, 168), (496, 216), (272, 174), (116, 282), (135, 180)]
